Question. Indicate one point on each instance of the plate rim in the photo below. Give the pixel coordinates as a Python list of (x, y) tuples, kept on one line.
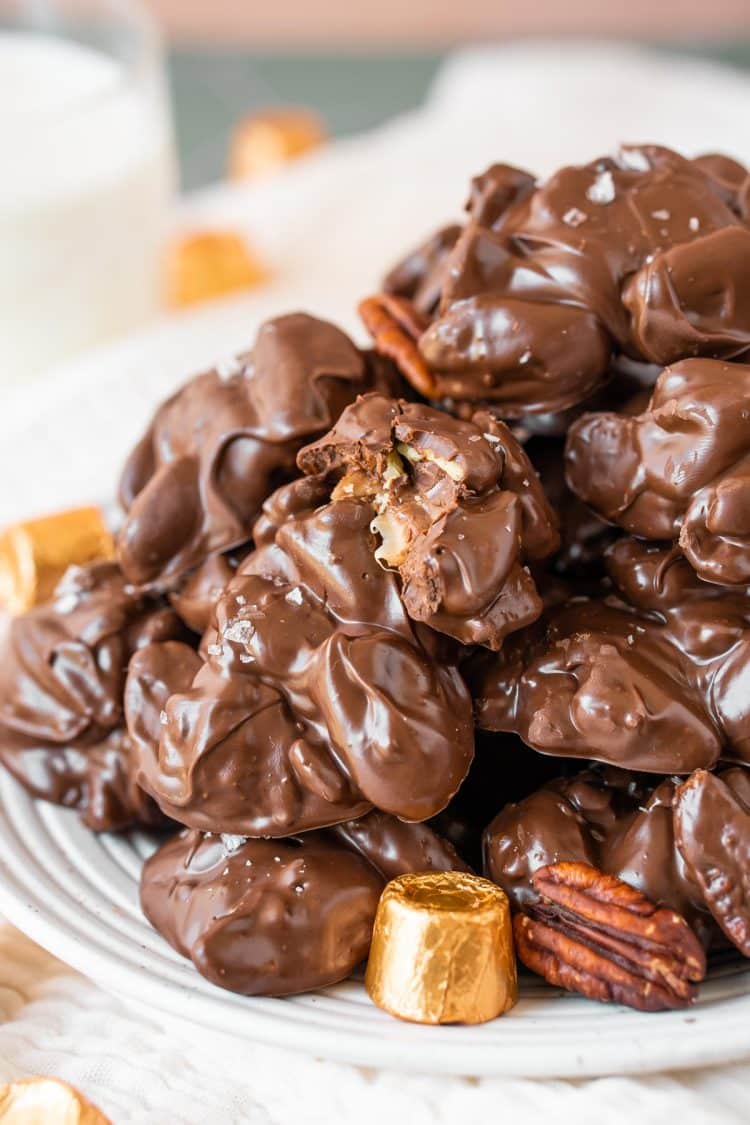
[(705, 1037)]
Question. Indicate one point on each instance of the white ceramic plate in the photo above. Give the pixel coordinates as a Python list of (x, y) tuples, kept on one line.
[(77, 895)]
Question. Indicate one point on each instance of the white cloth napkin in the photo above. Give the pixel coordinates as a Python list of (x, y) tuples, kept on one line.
[(329, 226)]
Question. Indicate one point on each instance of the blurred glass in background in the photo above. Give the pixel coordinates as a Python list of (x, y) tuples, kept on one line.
[(87, 176)]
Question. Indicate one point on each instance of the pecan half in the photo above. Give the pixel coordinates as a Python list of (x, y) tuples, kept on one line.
[(395, 326), (594, 934), (712, 832)]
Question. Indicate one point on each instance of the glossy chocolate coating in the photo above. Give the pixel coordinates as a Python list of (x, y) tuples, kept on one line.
[(457, 504), (420, 274), (611, 819), (712, 830), (685, 846), (298, 916), (395, 847), (318, 696), (584, 536), (678, 470), (653, 679), (503, 770), (62, 675), (298, 498), (644, 254), (278, 917), (195, 596), (195, 483)]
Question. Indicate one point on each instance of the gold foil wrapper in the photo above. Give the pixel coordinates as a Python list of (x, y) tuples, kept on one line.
[(442, 950), (35, 554), (46, 1101), (263, 142), (204, 265)]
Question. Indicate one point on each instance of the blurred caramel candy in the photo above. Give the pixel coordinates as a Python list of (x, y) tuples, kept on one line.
[(208, 264), (442, 950), (46, 1101), (35, 554), (262, 142)]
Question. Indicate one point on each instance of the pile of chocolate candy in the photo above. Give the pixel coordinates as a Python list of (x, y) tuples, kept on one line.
[(498, 566)]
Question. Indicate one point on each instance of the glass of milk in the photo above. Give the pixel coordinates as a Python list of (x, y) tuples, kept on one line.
[(86, 177)]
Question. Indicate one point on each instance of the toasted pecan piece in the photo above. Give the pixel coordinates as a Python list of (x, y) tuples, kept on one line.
[(712, 832), (594, 934), (395, 325)]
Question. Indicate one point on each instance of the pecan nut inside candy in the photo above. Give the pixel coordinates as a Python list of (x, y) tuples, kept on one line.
[(457, 506), (712, 832), (594, 934), (395, 325)]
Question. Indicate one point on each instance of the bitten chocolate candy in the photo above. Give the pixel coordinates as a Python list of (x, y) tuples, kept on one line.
[(35, 554), (277, 917), (679, 470), (650, 678), (318, 697), (62, 675), (442, 950), (195, 483), (645, 253), (456, 505)]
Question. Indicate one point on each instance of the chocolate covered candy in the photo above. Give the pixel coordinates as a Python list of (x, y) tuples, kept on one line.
[(62, 675), (712, 833), (419, 276), (679, 470), (195, 596), (269, 917), (195, 483), (278, 917), (457, 508), (681, 845), (645, 254), (318, 696), (651, 679)]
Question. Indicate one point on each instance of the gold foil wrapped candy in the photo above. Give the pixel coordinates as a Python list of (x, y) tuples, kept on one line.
[(203, 265), (46, 1101), (442, 950), (263, 142), (35, 554)]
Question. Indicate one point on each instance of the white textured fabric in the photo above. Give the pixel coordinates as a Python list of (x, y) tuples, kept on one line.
[(329, 227), (139, 1069)]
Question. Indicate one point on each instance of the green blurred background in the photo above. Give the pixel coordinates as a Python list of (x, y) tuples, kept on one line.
[(212, 88)]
